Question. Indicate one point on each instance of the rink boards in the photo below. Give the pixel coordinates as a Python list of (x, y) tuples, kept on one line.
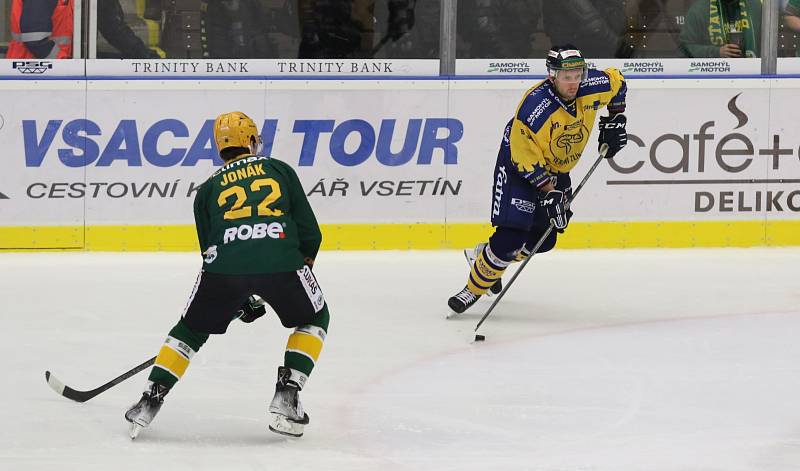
[(113, 163)]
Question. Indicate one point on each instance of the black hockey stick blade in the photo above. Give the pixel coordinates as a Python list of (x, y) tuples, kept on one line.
[(83, 396)]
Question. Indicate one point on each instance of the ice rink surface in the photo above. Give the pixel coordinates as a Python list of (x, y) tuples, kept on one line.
[(635, 360)]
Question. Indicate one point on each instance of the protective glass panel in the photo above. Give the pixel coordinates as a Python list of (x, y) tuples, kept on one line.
[(268, 29), (789, 29), (506, 29), (39, 30), (606, 29), (719, 28), (5, 33), (129, 29)]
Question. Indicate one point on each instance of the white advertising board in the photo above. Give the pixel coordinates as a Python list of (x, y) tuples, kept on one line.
[(41, 69), (217, 68), (132, 151), (789, 65), (650, 67)]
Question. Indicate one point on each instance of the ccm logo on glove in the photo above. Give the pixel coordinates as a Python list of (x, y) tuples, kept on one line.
[(613, 133)]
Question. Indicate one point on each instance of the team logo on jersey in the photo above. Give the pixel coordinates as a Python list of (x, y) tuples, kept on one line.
[(598, 80), (540, 108), (594, 106), (568, 146), (523, 205), (273, 230), (312, 289), (210, 254), (500, 183)]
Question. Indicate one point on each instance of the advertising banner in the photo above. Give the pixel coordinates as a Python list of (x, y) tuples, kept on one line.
[(789, 65), (218, 68), (382, 153), (656, 67), (41, 69)]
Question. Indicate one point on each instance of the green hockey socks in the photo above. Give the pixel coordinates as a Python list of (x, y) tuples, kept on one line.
[(176, 353), (304, 346)]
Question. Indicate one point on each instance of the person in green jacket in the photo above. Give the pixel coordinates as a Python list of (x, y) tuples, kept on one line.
[(722, 28), (259, 238)]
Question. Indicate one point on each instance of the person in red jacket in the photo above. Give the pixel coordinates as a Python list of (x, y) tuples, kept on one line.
[(41, 29)]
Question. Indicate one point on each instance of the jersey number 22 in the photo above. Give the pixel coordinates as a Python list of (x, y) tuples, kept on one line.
[(239, 210)]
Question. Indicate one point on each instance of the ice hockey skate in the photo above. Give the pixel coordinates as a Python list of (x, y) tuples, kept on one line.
[(143, 412), (462, 300), (471, 255), (286, 411)]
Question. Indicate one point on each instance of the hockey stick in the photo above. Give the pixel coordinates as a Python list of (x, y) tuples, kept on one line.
[(83, 396), (603, 151)]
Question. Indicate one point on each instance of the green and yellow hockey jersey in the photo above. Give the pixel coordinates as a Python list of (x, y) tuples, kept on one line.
[(252, 216), (549, 135)]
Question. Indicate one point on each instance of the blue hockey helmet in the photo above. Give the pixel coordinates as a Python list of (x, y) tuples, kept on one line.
[(566, 57)]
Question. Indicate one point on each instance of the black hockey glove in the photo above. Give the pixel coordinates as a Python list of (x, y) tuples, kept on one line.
[(309, 261), (612, 132), (251, 310), (555, 203)]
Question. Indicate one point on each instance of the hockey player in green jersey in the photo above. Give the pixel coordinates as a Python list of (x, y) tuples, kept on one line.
[(259, 238), (540, 145)]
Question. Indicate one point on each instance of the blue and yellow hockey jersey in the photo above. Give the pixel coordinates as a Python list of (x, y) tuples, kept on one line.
[(548, 135)]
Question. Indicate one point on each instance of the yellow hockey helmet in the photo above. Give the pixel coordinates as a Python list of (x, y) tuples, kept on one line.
[(235, 129)]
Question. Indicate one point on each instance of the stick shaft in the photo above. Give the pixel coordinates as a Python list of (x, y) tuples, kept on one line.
[(541, 240), (83, 396)]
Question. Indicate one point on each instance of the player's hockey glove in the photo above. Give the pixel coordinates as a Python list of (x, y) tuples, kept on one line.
[(555, 203), (613, 133), (252, 309)]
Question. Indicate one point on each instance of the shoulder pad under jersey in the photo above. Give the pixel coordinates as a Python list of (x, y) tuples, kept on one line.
[(537, 106), (597, 81)]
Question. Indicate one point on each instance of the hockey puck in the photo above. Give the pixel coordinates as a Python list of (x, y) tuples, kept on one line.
[(480, 338)]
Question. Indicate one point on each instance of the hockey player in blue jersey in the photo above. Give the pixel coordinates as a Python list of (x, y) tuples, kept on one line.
[(542, 142)]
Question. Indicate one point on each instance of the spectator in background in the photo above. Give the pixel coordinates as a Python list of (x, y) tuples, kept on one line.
[(335, 28), (597, 25), (791, 15), (501, 29), (41, 29), (345, 29), (182, 27), (238, 29), (111, 24), (416, 29), (722, 28), (219, 29)]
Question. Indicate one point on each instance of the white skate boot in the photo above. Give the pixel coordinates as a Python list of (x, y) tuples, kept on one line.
[(286, 411), (143, 412)]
